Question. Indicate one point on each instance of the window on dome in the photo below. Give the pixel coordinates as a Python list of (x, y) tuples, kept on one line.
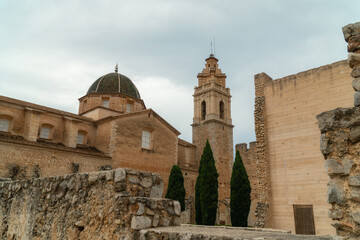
[(4, 125), (146, 140), (105, 102), (45, 131)]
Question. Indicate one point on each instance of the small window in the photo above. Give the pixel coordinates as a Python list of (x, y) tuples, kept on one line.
[(221, 109), (105, 102), (128, 107), (146, 140), (80, 139), (4, 125), (203, 110), (45, 132)]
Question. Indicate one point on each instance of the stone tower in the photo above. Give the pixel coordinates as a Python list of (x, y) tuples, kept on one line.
[(212, 121)]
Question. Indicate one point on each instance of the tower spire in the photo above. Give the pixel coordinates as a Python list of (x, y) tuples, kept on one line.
[(116, 68)]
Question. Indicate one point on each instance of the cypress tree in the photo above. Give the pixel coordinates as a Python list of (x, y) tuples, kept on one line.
[(206, 189), (197, 200), (240, 194), (176, 189)]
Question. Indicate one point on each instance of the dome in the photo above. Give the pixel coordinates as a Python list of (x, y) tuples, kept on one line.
[(114, 83)]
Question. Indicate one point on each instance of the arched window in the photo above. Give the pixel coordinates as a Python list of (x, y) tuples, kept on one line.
[(203, 110), (221, 109)]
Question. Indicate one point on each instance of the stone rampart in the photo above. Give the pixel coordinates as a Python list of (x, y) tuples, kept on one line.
[(99, 205)]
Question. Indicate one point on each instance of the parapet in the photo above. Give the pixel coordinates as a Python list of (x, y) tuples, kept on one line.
[(111, 204)]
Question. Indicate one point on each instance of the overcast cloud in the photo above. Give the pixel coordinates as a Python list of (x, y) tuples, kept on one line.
[(52, 51)]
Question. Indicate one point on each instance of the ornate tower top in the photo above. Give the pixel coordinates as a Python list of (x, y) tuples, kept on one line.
[(211, 73)]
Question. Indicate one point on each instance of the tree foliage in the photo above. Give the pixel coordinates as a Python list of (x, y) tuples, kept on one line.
[(240, 193), (176, 189), (206, 189)]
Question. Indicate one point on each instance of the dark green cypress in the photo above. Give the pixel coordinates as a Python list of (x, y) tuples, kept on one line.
[(206, 190), (176, 189), (240, 193), (197, 200)]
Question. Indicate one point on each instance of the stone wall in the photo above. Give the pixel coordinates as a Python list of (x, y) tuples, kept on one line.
[(290, 165), (263, 216), (99, 205), (340, 144)]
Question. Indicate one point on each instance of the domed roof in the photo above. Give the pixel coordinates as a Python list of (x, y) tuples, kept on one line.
[(114, 83)]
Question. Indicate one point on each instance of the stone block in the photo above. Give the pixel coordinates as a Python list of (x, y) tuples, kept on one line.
[(356, 84), (93, 177), (109, 175), (351, 30), (120, 175), (355, 216), (156, 219), (355, 133), (141, 209), (335, 213), (324, 145), (157, 190), (336, 192), (357, 99), (177, 208), (164, 221), (355, 73), (354, 59), (140, 222), (354, 44), (333, 167), (354, 181), (176, 221), (146, 182), (347, 164), (355, 194), (133, 180)]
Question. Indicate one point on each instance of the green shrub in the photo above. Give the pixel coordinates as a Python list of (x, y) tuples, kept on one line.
[(176, 189)]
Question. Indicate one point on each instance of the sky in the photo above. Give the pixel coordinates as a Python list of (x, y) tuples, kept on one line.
[(52, 51)]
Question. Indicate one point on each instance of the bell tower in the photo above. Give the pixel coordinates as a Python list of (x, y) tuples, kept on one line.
[(212, 121)]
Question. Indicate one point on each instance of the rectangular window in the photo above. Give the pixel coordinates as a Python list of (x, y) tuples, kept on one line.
[(80, 138), (304, 219), (146, 140), (4, 125), (128, 107), (45, 132), (105, 102)]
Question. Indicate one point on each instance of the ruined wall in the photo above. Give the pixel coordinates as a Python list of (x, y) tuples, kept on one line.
[(290, 166), (98, 205), (340, 144), (248, 156)]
